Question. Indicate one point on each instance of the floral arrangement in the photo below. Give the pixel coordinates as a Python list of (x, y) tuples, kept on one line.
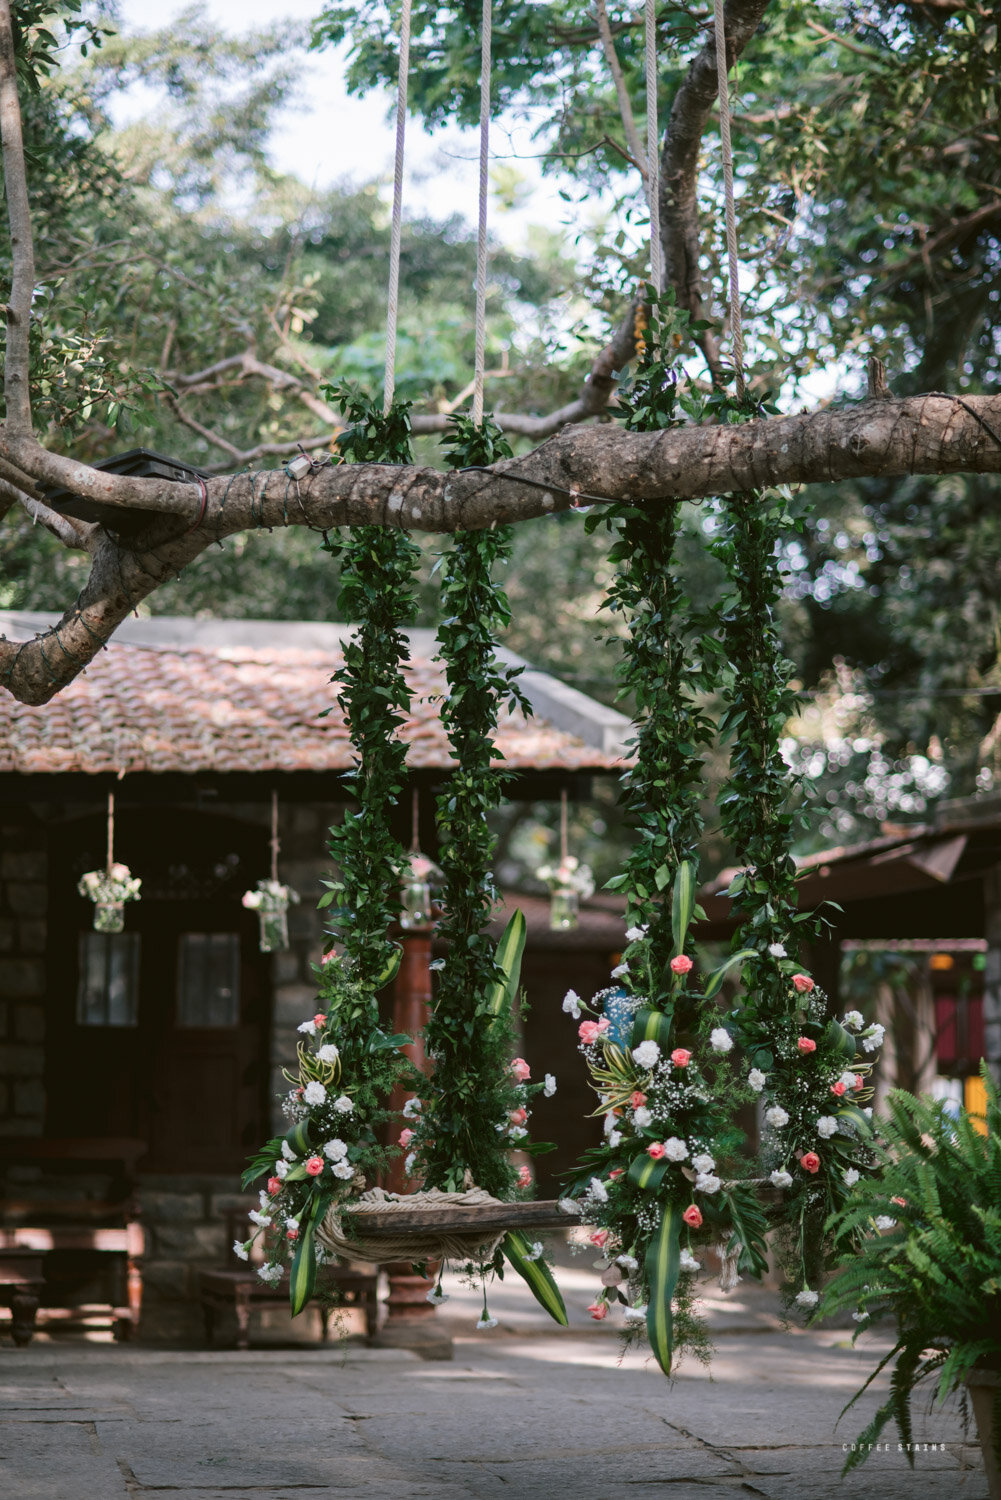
[(347, 1067), (271, 901), (568, 877), (109, 889)]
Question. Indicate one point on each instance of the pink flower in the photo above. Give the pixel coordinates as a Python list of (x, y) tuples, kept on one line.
[(274, 1186), (518, 1116), (589, 1031), (682, 964), (802, 983), (656, 1150), (638, 1099), (600, 1238), (692, 1216), (520, 1069), (838, 1088), (598, 1310), (806, 1044), (406, 1136), (859, 1082), (810, 1161), (680, 1057), (319, 1020), (291, 1234), (616, 1173), (314, 1165), (524, 1177), (900, 1202)]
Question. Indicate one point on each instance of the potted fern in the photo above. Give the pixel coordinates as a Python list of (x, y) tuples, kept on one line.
[(930, 1257)]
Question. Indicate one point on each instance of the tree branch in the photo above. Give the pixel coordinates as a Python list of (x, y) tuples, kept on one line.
[(621, 92), (679, 166), (932, 434), (22, 287)]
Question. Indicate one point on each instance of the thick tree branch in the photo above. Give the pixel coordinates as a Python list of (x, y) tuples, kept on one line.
[(933, 434), (679, 165), (22, 286)]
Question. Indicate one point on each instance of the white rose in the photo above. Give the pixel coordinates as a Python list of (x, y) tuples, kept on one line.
[(757, 1079), (287, 1153), (688, 1261), (721, 1040), (807, 1298), (615, 1138), (776, 1117), (308, 1028), (241, 1250), (854, 1020), (851, 1177), (345, 1106), (826, 1126), (646, 1055), (777, 950), (598, 1190), (675, 1149), (336, 1150), (620, 971), (633, 934), (315, 1092), (281, 1169), (642, 1117), (549, 1088), (343, 1170), (780, 1179), (571, 1004), (328, 1053), (703, 1162), (884, 1222), (707, 1183)]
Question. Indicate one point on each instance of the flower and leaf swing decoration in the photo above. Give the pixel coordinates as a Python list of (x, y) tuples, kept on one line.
[(669, 1185)]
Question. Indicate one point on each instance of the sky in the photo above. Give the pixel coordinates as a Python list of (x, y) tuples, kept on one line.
[(310, 138)]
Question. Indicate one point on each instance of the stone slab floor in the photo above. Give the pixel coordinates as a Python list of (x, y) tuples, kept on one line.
[(521, 1413)]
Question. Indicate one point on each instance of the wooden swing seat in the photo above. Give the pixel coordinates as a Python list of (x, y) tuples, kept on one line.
[(462, 1218)]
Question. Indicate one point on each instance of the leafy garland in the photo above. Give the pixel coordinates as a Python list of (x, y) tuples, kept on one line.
[(348, 1065), (475, 1103)]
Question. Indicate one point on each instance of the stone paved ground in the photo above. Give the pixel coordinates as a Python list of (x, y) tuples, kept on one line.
[(520, 1413)]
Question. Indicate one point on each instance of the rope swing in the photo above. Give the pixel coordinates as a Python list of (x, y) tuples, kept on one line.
[(393, 299), (653, 144), (723, 87), (479, 358)]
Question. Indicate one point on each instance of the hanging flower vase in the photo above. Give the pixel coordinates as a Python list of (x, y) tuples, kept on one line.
[(271, 901), (568, 882), (109, 890), (415, 892)]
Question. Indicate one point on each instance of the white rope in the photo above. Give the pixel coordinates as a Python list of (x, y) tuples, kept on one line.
[(479, 359), (730, 211), (392, 309), (653, 144)]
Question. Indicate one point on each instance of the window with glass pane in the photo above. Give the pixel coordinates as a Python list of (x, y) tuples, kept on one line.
[(208, 979), (108, 992)]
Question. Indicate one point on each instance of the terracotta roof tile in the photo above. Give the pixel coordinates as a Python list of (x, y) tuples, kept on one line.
[(138, 708)]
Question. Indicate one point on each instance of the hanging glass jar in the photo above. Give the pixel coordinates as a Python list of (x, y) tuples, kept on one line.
[(568, 882), (109, 890), (271, 901), (415, 892)]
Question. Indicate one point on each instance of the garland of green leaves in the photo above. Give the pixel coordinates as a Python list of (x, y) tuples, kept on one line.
[(474, 1107)]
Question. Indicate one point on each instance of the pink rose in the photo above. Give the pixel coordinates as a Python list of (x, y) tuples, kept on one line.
[(406, 1136), (520, 1069), (589, 1031), (274, 1186), (680, 1057), (291, 1234), (656, 1150), (524, 1177), (682, 964), (838, 1088), (314, 1166), (806, 1044), (810, 1161), (600, 1238), (319, 1020), (692, 1216), (598, 1310), (616, 1173), (900, 1202), (802, 983), (518, 1116), (638, 1099), (859, 1082)]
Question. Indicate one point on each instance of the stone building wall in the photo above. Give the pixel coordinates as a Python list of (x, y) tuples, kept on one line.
[(23, 910)]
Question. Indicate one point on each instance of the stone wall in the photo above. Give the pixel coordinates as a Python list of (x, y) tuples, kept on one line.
[(23, 909)]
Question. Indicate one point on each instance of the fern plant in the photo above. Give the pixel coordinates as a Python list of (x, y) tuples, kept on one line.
[(928, 1235)]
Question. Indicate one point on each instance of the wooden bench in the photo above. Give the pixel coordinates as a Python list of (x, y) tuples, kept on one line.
[(35, 1221), (237, 1287)]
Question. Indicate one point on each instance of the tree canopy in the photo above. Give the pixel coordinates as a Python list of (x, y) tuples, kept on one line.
[(868, 196)]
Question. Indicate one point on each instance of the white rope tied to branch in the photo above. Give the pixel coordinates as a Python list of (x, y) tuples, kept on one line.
[(653, 144), (479, 358), (393, 301), (730, 211)]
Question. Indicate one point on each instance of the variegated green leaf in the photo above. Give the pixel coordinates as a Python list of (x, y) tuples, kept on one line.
[(536, 1274), (716, 976), (857, 1117), (508, 957), (840, 1039), (646, 1173), (662, 1265), (652, 1026), (682, 903)]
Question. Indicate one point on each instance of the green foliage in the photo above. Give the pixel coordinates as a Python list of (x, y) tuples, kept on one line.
[(927, 1251), (467, 1037), (376, 567), (527, 1261)]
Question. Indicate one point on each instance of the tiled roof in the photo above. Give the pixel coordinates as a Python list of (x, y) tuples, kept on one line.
[(239, 708)]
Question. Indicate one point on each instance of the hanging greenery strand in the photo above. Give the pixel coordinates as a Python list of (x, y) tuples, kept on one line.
[(377, 566), (469, 1093)]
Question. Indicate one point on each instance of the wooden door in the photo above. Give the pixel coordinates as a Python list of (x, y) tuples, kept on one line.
[(162, 1031)]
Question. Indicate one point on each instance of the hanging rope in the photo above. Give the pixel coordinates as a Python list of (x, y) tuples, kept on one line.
[(564, 828), (730, 212), (479, 360), (275, 846), (653, 144), (393, 301), (111, 831)]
